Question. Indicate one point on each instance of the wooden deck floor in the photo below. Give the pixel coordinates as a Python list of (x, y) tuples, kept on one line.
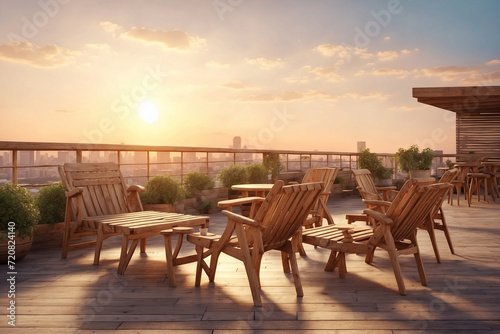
[(73, 296)]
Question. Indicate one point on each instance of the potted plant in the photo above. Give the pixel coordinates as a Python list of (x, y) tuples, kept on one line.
[(206, 207), (18, 218), (273, 165), (51, 203), (413, 161), (257, 173), (382, 175), (162, 193), (194, 182), (231, 175)]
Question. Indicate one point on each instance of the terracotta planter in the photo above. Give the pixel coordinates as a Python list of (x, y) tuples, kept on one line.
[(22, 248), (420, 174), (384, 183)]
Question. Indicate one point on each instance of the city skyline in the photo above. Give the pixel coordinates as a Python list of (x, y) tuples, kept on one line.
[(289, 75)]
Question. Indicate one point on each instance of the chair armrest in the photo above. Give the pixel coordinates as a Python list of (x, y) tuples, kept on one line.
[(240, 219), (386, 188), (239, 201), (74, 192), (136, 188), (380, 217), (376, 202)]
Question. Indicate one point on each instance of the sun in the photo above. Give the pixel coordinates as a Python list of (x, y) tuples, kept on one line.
[(148, 112)]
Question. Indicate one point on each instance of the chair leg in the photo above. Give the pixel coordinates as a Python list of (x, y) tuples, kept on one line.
[(332, 261), (393, 256), (429, 226), (444, 227), (295, 270), (285, 262), (98, 245), (246, 257)]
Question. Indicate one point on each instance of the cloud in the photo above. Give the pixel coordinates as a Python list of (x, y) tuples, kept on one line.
[(330, 50), (264, 62), (328, 72), (493, 62), (172, 39), (48, 56), (385, 72), (480, 79), (100, 47), (111, 27), (234, 85), (387, 55), (217, 64), (311, 94), (448, 73)]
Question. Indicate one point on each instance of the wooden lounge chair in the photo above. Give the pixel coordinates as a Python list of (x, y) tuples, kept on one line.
[(280, 215), (319, 210), (93, 190), (395, 231), (99, 203), (374, 201), (368, 191)]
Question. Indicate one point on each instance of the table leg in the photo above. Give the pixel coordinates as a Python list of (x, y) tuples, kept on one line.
[(170, 260), (126, 255)]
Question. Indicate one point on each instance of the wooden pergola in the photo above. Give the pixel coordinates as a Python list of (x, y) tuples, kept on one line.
[(478, 116)]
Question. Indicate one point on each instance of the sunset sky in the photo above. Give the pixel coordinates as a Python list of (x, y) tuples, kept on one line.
[(295, 74)]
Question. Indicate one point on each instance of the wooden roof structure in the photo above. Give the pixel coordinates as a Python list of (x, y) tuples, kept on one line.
[(478, 116)]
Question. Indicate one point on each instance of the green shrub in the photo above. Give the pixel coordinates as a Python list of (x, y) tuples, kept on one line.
[(231, 175), (257, 173), (162, 189), (371, 161), (273, 165), (51, 202), (194, 181), (413, 159), (17, 205)]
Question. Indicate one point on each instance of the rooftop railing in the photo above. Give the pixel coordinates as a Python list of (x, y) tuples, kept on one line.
[(35, 164)]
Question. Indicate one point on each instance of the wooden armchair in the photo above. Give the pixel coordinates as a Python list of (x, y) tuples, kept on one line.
[(319, 209), (93, 189), (280, 216), (368, 191), (395, 231)]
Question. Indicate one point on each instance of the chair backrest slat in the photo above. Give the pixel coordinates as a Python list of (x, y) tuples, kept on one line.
[(104, 189), (284, 211), (415, 202), (365, 184)]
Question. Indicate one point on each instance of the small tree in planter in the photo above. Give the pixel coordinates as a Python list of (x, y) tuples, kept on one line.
[(164, 190), (51, 202), (231, 175), (18, 218), (195, 181), (370, 161), (412, 159), (257, 173), (273, 164)]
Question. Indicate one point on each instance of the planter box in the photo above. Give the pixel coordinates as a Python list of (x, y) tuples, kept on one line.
[(48, 236), (159, 207), (214, 196)]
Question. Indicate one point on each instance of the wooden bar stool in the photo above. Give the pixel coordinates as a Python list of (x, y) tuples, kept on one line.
[(476, 180)]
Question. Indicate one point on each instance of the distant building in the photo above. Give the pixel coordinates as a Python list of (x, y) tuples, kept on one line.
[(361, 146), (237, 142), (27, 158)]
